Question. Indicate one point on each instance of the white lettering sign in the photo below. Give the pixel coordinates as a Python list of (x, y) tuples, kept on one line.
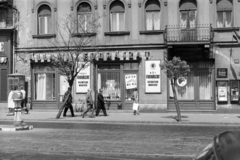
[(152, 76), (83, 80)]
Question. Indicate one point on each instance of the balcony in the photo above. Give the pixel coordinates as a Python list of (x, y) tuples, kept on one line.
[(176, 34)]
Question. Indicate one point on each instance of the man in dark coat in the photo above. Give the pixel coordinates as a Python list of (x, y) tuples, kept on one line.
[(68, 103), (100, 104)]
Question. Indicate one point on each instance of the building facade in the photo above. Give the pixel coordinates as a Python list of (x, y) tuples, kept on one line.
[(134, 39), (8, 17)]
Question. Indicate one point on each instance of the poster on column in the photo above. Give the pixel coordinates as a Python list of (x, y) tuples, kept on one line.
[(131, 81), (152, 76), (83, 80)]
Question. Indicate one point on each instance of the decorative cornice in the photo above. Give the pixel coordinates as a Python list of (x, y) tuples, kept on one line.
[(55, 9)]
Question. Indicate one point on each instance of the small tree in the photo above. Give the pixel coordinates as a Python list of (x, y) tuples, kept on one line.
[(74, 35), (174, 69)]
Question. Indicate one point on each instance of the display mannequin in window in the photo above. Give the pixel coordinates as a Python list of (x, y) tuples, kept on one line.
[(101, 104), (68, 104), (89, 102)]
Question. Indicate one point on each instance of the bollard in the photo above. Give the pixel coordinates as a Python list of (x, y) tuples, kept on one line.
[(18, 121)]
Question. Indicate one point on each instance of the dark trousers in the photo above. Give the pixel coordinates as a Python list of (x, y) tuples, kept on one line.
[(99, 108), (23, 106), (89, 107), (68, 106)]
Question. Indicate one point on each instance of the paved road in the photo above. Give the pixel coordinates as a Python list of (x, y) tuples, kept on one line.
[(52, 140)]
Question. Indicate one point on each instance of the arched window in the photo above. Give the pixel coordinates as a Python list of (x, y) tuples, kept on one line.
[(44, 20), (117, 16), (188, 13), (84, 13), (224, 13), (152, 9)]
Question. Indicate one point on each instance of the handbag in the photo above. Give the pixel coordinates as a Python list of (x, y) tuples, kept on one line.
[(135, 106)]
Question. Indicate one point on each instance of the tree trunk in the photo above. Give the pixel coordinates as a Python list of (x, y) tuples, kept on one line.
[(63, 105), (176, 100)]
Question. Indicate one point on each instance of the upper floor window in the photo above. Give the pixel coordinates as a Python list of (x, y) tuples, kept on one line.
[(117, 16), (3, 17), (224, 13), (44, 20), (84, 14), (152, 9), (188, 13)]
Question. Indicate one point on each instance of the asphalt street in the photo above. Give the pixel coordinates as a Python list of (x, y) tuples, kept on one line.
[(53, 140)]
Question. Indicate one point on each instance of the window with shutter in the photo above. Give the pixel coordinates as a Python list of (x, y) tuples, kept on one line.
[(117, 16), (85, 18), (224, 13), (44, 20), (152, 15)]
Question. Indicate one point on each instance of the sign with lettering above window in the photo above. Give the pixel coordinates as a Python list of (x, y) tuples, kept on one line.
[(222, 73), (152, 76)]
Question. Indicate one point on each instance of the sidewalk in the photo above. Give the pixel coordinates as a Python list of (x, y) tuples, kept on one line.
[(128, 117)]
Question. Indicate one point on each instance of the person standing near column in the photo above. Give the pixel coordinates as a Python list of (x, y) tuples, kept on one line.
[(23, 103), (100, 103), (89, 103)]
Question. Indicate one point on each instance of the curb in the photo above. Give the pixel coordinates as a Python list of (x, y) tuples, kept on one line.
[(13, 128)]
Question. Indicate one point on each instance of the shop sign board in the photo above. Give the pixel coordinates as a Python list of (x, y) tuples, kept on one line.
[(83, 80), (222, 94), (222, 73), (131, 81), (152, 76)]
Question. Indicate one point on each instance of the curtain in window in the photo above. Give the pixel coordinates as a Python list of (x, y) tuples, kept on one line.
[(110, 83), (85, 22), (156, 20), (40, 86), (117, 22), (149, 24), (183, 19), (192, 18), (224, 19), (205, 86), (44, 25), (219, 19), (228, 22)]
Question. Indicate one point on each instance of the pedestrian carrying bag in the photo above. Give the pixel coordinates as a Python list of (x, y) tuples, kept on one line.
[(135, 106)]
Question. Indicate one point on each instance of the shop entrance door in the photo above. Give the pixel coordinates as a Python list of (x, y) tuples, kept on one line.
[(198, 93), (130, 83), (3, 87)]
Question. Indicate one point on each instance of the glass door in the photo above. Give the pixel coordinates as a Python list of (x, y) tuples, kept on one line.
[(130, 83)]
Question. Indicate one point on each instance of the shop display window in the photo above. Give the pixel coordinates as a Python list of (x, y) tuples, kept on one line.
[(110, 83), (234, 91), (222, 91), (44, 83)]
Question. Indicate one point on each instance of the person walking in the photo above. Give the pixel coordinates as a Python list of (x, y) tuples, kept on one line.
[(101, 104), (89, 103), (23, 103), (11, 104), (68, 104), (135, 104)]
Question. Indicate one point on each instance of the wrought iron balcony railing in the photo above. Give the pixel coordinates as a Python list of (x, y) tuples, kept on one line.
[(196, 33)]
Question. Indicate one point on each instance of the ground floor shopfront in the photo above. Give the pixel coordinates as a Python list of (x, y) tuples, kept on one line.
[(118, 73), (212, 84)]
